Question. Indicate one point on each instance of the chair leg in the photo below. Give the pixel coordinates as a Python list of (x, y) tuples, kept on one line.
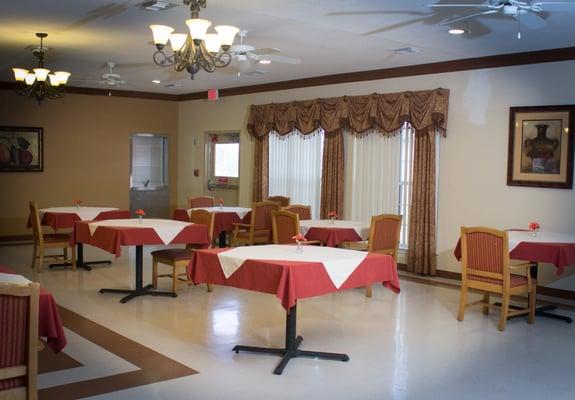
[(210, 288), (40, 258), (73, 258), (504, 311), (368, 292), (65, 254), (485, 309), (462, 303), (174, 279), (154, 273), (34, 256), (532, 298)]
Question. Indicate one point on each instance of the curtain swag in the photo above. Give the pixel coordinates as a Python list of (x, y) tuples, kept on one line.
[(425, 110)]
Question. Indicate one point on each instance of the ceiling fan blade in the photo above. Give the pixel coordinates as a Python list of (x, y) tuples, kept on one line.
[(344, 13), (555, 5), (492, 6), (451, 21), (282, 59), (265, 51), (532, 20)]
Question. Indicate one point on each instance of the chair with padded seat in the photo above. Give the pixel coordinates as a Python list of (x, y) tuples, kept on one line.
[(178, 259), (283, 200), (259, 230), (384, 233), (43, 241), (285, 225), (485, 266), (304, 212), (19, 304), (201, 201)]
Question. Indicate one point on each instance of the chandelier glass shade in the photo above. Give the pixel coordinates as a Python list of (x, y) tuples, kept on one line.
[(40, 83), (196, 50)]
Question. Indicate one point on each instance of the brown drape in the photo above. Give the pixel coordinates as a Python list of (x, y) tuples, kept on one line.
[(421, 243), (332, 174), (424, 110), (260, 186)]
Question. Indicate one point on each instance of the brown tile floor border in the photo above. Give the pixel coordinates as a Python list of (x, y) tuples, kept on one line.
[(154, 367), (48, 361)]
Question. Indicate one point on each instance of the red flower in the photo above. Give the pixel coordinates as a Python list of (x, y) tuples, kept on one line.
[(140, 212), (221, 202), (299, 238), (78, 202), (332, 214), (533, 225)]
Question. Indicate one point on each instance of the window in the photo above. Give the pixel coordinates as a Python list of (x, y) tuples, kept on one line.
[(149, 161), (223, 159), (295, 168), (405, 181)]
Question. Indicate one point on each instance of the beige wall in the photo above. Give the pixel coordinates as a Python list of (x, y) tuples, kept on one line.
[(473, 158), (86, 151)]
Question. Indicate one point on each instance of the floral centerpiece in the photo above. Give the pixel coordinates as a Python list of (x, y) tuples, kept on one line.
[(221, 203), (332, 216), (534, 227), (78, 202), (299, 238), (140, 213)]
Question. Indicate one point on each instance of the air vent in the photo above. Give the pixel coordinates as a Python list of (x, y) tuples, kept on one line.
[(172, 85), (156, 5), (407, 50), (257, 72)]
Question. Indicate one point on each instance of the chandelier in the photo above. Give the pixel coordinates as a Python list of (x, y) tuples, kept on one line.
[(40, 84), (199, 49)]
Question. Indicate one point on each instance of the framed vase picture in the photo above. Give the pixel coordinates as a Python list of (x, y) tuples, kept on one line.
[(21, 149), (540, 152)]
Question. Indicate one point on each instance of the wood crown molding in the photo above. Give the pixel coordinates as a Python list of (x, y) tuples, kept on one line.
[(466, 64)]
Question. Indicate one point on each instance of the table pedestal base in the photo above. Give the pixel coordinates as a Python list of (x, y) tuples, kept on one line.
[(292, 346), (80, 263), (542, 311)]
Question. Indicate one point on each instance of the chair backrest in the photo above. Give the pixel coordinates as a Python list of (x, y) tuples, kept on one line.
[(262, 214), (285, 226), (36, 226), (19, 340), (283, 200), (485, 253), (203, 217), (304, 212), (384, 234), (201, 201)]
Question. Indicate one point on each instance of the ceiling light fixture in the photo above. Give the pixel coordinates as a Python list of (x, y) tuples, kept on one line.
[(156, 81), (199, 49), (40, 84), (456, 31), (264, 61)]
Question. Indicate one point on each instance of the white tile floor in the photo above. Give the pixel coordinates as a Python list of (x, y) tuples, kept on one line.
[(406, 346)]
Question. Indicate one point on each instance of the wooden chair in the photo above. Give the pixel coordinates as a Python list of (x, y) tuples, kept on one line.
[(178, 259), (201, 201), (43, 241), (283, 200), (259, 230), (485, 267), (383, 238), (304, 212), (285, 225), (19, 343)]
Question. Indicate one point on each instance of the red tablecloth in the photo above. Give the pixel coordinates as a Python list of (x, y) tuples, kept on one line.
[(111, 238), (333, 237), (559, 254), (58, 220), (291, 280), (223, 220), (49, 322)]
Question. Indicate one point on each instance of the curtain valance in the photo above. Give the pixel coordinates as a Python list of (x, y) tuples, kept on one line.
[(424, 109)]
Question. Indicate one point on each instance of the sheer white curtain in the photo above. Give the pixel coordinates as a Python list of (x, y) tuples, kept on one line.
[(295, 168), (372, 175)]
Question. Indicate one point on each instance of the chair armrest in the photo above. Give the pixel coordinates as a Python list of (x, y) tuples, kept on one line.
[(520, 265), (241, 225)]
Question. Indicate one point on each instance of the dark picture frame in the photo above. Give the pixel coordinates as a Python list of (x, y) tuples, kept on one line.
[(540, 152), (21, 149)]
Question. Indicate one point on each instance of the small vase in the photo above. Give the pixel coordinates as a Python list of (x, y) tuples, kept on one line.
[(77, 206), (332, 220), (140, 219), (221, 206), (533, 232), (299, 248)]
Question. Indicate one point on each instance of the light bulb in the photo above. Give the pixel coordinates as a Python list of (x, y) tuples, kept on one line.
[(213, 42), (62, 76), (161, 34), (20, 74), (198, 27), (30, 78), (227, 34), (177, 41), (41, 74), (54, 81)]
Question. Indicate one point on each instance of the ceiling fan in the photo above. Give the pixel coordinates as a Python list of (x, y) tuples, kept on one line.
[(527, 12), (110, 78), (247, 55)]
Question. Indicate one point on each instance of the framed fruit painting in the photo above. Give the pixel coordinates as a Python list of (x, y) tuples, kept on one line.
[(21, 149)]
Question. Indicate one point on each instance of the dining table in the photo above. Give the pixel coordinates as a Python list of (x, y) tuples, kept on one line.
[(291, 275), (111, 235), (50, 325), (553, 248), (333, 232), (224, 218), (65, 217)]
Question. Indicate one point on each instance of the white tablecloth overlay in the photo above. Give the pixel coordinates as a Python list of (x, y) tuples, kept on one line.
[(360, 227), (13, 278), (85, 213), (516, 237), (338, 263), (241, 211), (166, 229)]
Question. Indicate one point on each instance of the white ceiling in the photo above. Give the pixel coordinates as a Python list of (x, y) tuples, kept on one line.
[(329, 36)]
